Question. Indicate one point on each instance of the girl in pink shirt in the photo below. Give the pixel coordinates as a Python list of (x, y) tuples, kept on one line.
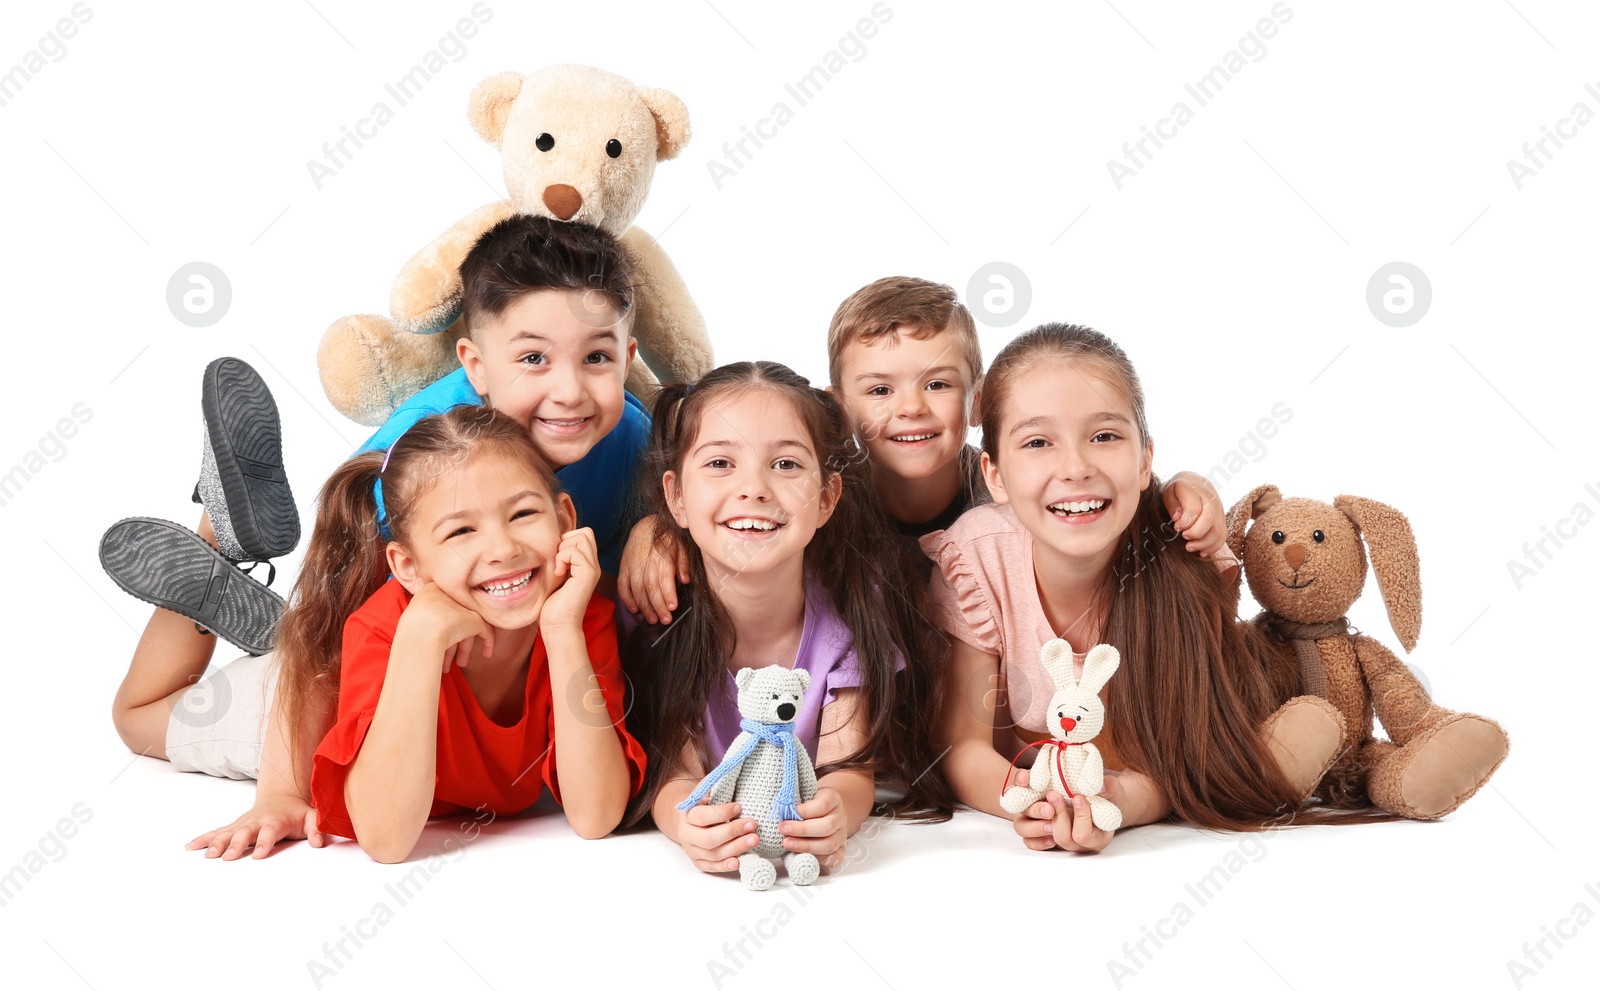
[(1078, 545)]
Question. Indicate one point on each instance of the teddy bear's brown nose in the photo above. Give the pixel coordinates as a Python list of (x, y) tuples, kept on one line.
[(1295, 554), (563, 200)]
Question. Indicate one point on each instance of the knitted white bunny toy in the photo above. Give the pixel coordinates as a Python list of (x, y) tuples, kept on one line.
[(767, 771), (1070, 764)]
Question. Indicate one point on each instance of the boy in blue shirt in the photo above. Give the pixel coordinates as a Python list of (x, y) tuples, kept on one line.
[(548, 306)]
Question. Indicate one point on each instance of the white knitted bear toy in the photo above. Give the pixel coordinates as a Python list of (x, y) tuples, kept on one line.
[(767, 771), (1070, 764)]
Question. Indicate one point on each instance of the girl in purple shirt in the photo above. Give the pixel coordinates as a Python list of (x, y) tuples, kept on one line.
[(791, 563)]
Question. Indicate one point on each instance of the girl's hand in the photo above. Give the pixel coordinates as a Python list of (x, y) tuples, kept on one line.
[(821, 829), (648, 577), (577, 568), (713, 836), (1197, 512), (1055, 823), (269, 822), (434, 614)]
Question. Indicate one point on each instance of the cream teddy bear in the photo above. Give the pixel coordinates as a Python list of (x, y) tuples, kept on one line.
[(579, 144), (767, 771), (1070, 764)]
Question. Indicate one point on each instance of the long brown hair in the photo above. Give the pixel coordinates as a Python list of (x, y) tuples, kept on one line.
[(346, 563), (1188, 700), (868, 574)]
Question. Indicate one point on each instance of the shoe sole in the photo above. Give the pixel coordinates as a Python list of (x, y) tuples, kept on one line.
[(247, 441), (168, 566)]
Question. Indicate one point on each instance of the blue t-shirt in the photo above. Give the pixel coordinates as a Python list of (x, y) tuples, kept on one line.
[(600, 483)]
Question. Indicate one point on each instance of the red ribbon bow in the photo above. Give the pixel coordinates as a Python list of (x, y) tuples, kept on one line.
[(1061, 770)]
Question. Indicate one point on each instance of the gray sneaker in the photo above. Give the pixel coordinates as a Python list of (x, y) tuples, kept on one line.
[(242, 481), (169, 566)]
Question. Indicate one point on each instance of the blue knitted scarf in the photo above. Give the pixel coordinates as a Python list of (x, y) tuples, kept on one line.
[(777, 734)]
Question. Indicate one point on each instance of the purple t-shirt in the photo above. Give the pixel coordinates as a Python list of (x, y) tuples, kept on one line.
[(825, 651)]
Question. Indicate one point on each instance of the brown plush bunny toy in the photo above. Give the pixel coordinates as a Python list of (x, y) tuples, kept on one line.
[(1306, 565)]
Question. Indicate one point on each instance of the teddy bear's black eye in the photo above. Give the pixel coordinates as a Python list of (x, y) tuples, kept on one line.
[(1316, 535), (1277, 536), (544, 142), (614, 148), (774, 694)]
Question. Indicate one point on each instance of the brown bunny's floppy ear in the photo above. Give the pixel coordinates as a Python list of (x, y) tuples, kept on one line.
[(1260, 499), (1393, 550), (490, 105), (672, 121)]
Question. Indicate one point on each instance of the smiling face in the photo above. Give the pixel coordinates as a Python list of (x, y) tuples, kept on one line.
[(910, 400), (486, 532), (555, 361), (1069, 460), (751, 490), (1304, 560)]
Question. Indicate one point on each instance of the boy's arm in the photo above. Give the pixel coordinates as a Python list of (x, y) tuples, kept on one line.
[(652, 566), (1198, 514)]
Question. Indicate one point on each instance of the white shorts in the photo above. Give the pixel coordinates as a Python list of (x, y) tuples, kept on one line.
[(219, 724)]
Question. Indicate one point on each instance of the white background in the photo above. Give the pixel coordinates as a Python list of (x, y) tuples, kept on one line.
[(1233, 268)]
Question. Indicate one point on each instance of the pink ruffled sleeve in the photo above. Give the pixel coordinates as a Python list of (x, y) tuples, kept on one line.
[(959, 596)]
